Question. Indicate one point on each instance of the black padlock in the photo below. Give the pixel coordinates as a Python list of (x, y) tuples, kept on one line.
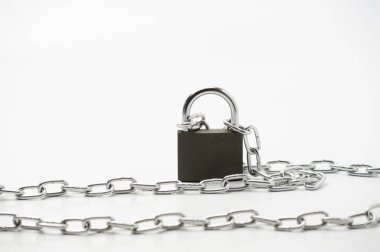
[(208, 153)]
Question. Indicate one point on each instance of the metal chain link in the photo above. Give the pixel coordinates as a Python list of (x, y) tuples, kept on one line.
[(174, 221), (195, 122)]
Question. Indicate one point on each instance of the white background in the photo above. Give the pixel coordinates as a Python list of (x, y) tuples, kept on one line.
[(91, 90)]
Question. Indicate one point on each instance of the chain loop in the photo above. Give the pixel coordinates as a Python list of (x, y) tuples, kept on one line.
[(194, 222), (13, 192), (41, 193), (307, 226), (192, 124), (145, 187), (300, 224), (161, 217), (371, 220), (362, 170), (88, 222), (258, 183), (108, 190), (76, 189), (337, 221), (190, 186), (258, 166), (221, 187), (62, 191), (237, 128), (331, 166), (31, 226), (85, 226), (235, 178), (252, 130), (343, 168), (229, 222), (250, 213), (282, 188), (269, 164), (173, 190), (267, 221), (316, 185), (111, 184), (51, 224), (12, 220), (122, 225), (157, 225)]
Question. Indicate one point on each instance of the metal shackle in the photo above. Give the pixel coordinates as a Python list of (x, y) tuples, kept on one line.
[(214, 90)]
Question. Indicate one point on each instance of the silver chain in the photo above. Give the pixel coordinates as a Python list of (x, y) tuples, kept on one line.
[(275, 176), (310, 176), (174, 221)]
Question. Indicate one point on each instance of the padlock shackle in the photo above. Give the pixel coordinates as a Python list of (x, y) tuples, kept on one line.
[(214, 90)]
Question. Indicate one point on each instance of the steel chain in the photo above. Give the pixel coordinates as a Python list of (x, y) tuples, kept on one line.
[(174, 221), (275, 176), (310, 176)]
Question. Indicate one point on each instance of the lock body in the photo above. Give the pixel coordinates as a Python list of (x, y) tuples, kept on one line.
[(209, 153)]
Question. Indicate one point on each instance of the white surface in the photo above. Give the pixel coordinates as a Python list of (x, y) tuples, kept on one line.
[(91, 90)]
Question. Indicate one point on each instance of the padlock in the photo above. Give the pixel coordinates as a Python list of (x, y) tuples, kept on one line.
[(208, 153)]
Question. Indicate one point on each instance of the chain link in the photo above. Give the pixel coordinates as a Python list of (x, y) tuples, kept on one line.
[(251, 151), (195, 122)]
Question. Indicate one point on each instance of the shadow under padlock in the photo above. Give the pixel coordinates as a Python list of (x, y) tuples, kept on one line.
[(205, 153)]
